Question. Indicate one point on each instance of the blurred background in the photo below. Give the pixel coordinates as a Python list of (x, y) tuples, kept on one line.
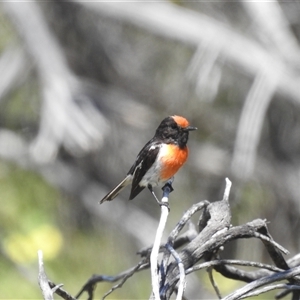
[(82, 80)]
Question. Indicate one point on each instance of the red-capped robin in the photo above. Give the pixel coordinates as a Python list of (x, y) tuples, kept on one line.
[(159, 160)]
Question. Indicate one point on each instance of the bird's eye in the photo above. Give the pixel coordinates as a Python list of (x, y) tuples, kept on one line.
[(173, 126)]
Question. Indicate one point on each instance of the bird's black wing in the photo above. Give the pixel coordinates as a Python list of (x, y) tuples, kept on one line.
[(143, 163)]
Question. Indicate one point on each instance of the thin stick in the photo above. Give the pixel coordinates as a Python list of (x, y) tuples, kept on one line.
[(159, 233), (213, 283), (227, 189), (139, 266), (266, 289), (182, 281), (288, 274), (221, 262), (43, 281), (269, 240)]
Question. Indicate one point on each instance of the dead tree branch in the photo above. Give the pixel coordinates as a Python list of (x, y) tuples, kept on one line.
[(214, 231)]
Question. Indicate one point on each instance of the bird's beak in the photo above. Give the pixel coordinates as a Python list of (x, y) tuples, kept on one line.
[(191, 128)]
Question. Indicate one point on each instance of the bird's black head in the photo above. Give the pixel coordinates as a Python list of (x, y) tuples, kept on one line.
[(174, 129)]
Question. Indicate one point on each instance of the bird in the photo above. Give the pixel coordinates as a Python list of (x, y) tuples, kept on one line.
[(159, 160)]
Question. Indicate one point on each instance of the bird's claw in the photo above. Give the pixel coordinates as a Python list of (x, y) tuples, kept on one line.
[(166, 204)]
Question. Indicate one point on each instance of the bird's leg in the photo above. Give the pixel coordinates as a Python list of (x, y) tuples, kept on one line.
[(159, 202), (153, 194), (168, 188)]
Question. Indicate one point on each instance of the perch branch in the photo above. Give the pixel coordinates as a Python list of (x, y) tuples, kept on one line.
[(43, 280), (217, 221), (159, 233)]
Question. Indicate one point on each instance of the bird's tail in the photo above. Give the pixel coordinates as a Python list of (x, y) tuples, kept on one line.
[(116, 191)]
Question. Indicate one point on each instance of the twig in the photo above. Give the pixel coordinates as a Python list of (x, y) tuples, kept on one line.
[(185, 218), (159, 233), (278, 259), (213, 283), (60, 292), (179, 226), (89, 285), (266, 289), (227, 189), (285, 275), (182, 281), (216, 223), (124, 279), (214, 263), (283, 294), (271, 241), (43, 281)]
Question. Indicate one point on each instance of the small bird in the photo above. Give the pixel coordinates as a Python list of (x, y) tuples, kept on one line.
[(159, 160)]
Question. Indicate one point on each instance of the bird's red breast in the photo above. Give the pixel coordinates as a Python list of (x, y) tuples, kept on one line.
[(172, 158)]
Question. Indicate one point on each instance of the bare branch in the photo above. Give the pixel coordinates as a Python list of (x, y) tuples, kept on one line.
[(227, 190), (221, 262), (123, 276), (185, 218), (43, 280), (159, 233), (213, 283), (182, 281), (266, 289), (140, 266), (59, 291), (289, 274), (214, 233)]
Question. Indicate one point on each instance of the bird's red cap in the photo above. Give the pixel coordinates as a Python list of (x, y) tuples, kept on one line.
[(181, 121)]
